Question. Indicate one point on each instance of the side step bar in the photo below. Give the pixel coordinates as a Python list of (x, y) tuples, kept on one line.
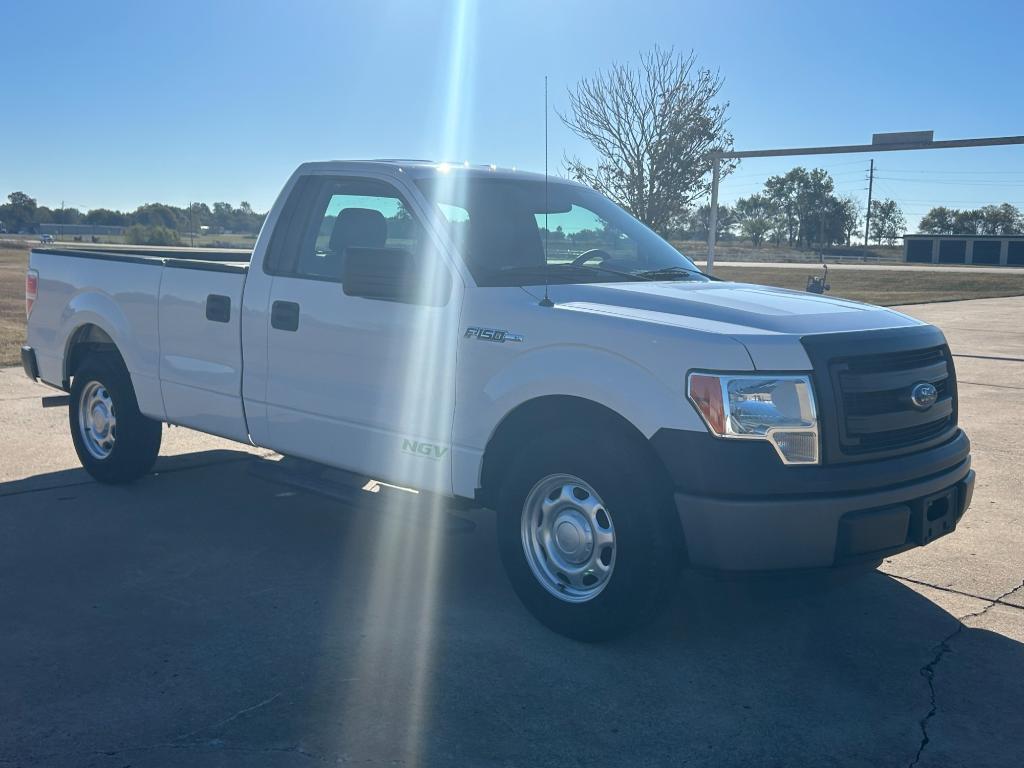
[(354, 489)]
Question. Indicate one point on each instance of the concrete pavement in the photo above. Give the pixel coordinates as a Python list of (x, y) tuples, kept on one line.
[(206, 617)]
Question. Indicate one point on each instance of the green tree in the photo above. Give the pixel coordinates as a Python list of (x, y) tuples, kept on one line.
[(757, 216), (809, 211), (1002, 219), (158, 235), (156, 215), (887, 222), (849, 217), (19, 213), (65, 216), (968, 222), (938, 221), (106, 217), (651, 128), (700, 222)]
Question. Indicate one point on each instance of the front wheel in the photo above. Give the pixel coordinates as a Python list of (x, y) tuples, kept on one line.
[(113, 440), (587, 534)]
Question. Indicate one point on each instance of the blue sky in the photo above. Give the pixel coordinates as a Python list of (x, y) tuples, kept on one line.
[(114, 104)]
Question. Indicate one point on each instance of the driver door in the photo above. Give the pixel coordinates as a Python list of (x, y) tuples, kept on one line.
[(364, 384)]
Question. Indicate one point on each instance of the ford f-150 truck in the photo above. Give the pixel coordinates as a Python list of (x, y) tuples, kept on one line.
[(491, 336)]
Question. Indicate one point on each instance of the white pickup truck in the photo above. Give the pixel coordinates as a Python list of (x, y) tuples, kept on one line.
[(486, 335)]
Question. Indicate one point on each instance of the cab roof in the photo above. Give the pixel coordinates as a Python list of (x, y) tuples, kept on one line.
[(419, 169)]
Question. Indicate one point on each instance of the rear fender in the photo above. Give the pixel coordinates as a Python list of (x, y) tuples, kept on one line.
[(137, 346)]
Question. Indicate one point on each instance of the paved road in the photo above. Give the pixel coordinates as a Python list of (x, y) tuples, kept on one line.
[(883, 266), (206, 617)]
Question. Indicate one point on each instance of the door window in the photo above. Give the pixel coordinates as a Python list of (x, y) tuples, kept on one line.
[(341, 214)]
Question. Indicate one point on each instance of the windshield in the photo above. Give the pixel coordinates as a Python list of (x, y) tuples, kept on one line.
[(508, 235)]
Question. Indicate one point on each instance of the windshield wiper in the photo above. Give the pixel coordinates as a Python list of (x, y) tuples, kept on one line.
[(670, 272)]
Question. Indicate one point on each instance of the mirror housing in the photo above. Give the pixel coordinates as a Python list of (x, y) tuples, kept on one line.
[(394, 274)]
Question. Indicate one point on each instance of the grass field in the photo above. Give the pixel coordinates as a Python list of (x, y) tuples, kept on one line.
[(12, 304), (875, 286), (887, 287)]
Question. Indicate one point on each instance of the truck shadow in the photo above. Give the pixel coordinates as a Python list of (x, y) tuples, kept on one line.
[(210, 613)]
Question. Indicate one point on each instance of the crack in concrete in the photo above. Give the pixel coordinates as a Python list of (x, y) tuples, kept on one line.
[(928, 670), (233, 717), (188, 742), (1001, 600)]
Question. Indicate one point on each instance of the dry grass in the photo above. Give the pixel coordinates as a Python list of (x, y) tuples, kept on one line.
[(13, 262), (888, 287), (875, 286)]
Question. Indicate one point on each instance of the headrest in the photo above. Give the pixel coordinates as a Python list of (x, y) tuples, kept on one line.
[(359, 228)]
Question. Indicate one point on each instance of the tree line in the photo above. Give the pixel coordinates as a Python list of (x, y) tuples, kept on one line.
[(1005, 219), (800, 209), (22, 213)]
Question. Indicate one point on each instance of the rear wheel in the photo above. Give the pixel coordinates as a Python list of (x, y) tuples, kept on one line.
[(113, 440), (587, 534)]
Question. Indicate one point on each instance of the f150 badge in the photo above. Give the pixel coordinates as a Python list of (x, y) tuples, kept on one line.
[(491, 334)]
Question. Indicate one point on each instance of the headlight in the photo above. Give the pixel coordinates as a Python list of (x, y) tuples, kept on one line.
[(779, 409)]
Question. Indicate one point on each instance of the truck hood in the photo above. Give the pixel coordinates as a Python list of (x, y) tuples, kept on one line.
[(768, 322), (737, 309)]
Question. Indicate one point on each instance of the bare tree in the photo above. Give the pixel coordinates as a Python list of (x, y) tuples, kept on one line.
[(652, 128)]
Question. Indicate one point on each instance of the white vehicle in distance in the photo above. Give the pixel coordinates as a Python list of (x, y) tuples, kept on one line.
[(528, 347)]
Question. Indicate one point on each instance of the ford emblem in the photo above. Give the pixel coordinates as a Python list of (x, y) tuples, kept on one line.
[(924, 395)]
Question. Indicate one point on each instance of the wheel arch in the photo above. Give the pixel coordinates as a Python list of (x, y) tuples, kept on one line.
[(88, 338), (549, 412)]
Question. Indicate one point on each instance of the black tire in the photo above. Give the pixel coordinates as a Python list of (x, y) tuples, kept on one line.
[(136, 442), (648, 540)]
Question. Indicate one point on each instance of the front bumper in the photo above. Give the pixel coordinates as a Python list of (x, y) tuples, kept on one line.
[(752, 514), (28, 362)]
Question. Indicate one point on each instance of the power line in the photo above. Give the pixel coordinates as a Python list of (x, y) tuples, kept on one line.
[(957, 182), (980, 173)]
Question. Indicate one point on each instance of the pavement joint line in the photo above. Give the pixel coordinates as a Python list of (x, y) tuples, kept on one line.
[(952, 327), (170, 471), (991, 357), (1001, 600), (944, 647), (987, 384)]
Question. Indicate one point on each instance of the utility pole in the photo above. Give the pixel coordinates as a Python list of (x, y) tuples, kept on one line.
[(191, 227), (867, 216)]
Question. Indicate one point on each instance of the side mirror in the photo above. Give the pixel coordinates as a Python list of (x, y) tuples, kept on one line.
[(394, 274)]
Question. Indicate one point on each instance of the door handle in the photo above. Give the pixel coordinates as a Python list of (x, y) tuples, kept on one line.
[(284, 315), (218, 308)]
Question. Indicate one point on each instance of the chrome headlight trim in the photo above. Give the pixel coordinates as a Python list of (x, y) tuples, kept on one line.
[(714, 398)]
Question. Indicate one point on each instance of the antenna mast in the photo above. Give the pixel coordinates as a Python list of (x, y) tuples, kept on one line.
[(546, 301)]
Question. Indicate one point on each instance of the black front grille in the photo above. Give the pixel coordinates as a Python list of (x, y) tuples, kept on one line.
[(872, 394), (863, 381)]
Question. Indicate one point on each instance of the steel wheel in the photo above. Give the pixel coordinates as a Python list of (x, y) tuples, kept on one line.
[(97, 423), (568, 538)]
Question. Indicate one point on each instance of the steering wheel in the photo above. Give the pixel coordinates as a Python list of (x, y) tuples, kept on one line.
[(593, 253)]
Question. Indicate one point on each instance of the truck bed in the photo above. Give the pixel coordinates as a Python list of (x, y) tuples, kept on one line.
[(174, 316), (212, 260)]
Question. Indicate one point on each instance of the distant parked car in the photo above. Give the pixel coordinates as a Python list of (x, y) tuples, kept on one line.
[(46, 238)]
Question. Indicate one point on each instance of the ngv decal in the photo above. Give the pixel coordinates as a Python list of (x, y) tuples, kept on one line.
[(426, 450)]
